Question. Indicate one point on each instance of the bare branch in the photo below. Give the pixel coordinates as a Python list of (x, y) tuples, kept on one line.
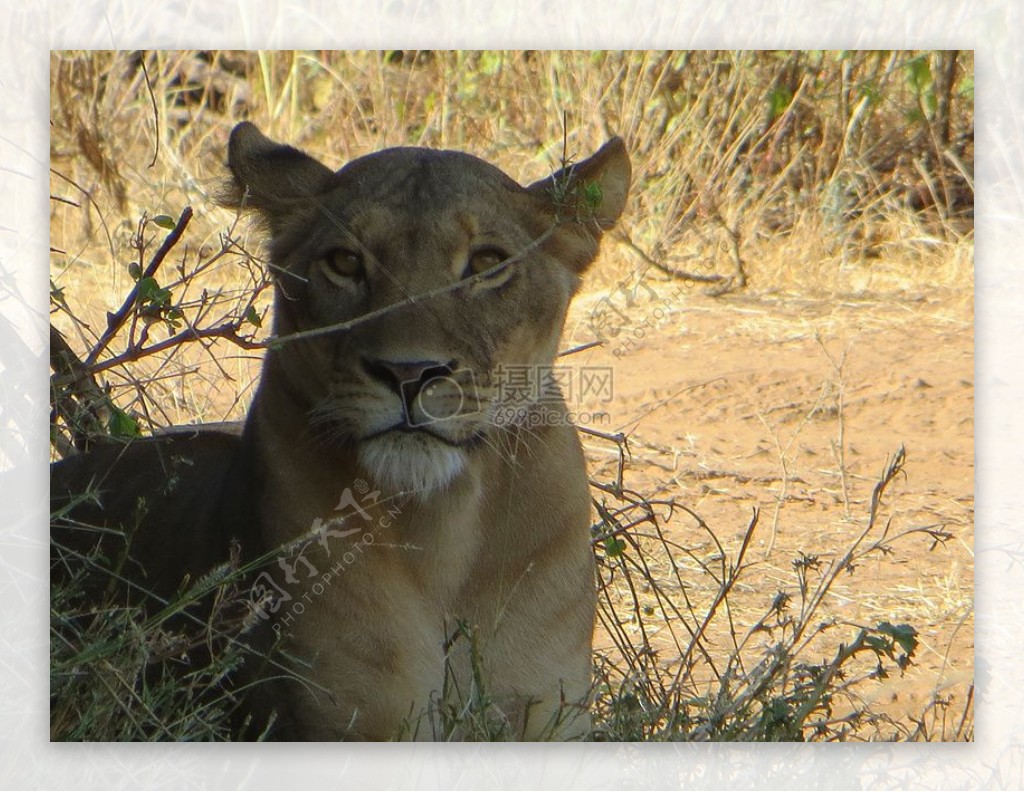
[(117, 319)]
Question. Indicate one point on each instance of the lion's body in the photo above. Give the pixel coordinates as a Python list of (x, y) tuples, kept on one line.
[(431, 561), (182, 479)]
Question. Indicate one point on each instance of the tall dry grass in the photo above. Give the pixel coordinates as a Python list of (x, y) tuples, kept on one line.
[(806, 172)]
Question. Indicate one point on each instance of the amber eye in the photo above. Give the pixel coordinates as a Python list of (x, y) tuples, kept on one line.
[(341, 267), (484, 260)]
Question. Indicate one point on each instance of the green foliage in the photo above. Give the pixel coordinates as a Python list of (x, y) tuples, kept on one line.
[(490, 62), (122, 425), (922, 85), (779, 100), (613, 546), (57, 296), (919, 74), (252, 316)]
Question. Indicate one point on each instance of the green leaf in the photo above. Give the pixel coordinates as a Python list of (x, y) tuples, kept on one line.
[(174, 317), (919, 73), (779, 100), (57, 294), (252, 317), (614, 546), (913, 115), (870, 91), (147, 288), (149, 291), (164, 221), (593, 195), (121, 424), (490, 62), (903, 634), (135, 270)]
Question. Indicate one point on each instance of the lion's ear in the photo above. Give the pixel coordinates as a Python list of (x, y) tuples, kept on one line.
[(585, 200), (266, 174), (592, 190)]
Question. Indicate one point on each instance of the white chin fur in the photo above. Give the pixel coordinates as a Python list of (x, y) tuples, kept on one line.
[(410, 463)]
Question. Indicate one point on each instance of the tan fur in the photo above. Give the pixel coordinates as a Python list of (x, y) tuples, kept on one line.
[(470, 577)]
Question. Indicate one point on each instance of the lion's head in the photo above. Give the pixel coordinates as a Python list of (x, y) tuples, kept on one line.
[(407, 281)]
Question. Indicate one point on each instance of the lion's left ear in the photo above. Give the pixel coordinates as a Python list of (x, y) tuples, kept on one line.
[(592, 190), (269, 176)]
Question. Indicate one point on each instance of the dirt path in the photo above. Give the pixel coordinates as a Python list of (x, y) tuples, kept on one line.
[(715, 393)]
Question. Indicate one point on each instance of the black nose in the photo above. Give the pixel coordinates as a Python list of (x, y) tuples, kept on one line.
[(406, 378)]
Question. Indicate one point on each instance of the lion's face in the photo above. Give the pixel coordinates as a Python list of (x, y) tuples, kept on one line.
[(444, 275)]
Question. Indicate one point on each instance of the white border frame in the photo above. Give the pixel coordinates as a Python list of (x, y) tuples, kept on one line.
[(992, 27)]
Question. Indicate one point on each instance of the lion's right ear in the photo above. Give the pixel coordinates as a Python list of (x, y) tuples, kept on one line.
[(267, 176)]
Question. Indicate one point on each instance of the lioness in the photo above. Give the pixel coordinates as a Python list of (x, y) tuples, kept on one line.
[(433, 542)]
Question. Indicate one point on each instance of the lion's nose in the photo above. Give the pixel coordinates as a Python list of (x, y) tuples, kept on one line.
[(407, 378)]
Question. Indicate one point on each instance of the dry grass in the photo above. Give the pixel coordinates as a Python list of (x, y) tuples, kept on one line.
[(813, 164), (803, 184)]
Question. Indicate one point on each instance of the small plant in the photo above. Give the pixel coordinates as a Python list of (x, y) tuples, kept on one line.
[(711, 678)]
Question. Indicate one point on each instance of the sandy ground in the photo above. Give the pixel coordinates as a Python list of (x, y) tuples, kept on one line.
[(715, 393)]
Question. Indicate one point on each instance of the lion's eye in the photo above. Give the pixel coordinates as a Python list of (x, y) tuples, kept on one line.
[(485, 260), (341, 267)]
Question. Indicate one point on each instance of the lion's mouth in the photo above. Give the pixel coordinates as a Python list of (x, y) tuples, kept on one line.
[(403, 427)]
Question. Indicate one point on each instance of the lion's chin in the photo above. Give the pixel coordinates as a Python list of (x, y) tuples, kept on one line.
[(410, 462)]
